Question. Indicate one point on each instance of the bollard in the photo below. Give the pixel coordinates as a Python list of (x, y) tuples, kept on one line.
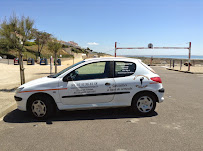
[(151, 61), (51, 64), (8, 59), (180, 64), (170, 63), (173, 63)]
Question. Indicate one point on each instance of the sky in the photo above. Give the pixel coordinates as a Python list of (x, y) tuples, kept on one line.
[(98, 24)]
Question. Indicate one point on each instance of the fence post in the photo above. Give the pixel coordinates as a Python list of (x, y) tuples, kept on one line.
[(8, 59), (170, 63), (51, 65), (180, 64), (151, 61)]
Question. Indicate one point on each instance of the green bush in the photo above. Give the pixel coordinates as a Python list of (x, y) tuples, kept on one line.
[(28, 43), (10, 56), (65, 46), (78, 50)]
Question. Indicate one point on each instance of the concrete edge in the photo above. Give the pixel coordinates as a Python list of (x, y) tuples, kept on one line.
[(8, 109), (184, 71)]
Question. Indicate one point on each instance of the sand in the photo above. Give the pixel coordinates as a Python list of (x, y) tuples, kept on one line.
[(194, 69), (10, 75)]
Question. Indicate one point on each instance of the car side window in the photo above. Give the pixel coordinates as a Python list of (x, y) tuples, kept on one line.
[(97, 70), (123, 69)]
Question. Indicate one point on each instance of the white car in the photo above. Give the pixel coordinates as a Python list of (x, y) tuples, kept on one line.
[(93, 83)]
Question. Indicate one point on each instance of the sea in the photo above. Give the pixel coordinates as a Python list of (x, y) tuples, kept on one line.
[(167, 56)]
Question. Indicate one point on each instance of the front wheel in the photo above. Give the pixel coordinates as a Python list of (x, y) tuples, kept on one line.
[(41, 107), (144, 103)]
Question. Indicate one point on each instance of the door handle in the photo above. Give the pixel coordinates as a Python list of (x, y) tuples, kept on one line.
[(107, 84)]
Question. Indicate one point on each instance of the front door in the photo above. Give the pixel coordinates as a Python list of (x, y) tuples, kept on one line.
[(89, 85)]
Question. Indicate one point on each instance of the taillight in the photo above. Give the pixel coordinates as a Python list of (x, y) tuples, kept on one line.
[(156, 79)]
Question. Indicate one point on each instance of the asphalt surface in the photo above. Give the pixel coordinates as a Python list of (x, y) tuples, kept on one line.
[(177, 124)]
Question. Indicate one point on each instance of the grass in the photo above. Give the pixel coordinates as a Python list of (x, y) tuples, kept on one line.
[(31, 52)]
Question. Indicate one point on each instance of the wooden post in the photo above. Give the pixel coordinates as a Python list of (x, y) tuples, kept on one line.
[(8, 59), (180, 64), (51, 65), (151, 61), (189, 56), (55, 61), (22, 75)]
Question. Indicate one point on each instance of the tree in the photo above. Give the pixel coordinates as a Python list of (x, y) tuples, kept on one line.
[(41, 38), (5, 44), (17, 31), (54, 45)]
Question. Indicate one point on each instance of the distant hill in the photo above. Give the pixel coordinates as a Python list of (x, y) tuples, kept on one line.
[(31, 52), (65, 52)]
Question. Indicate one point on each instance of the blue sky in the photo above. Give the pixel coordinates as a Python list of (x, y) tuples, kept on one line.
[(99, 23)]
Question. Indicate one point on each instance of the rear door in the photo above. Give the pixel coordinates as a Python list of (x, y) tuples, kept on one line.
[(124, 80)]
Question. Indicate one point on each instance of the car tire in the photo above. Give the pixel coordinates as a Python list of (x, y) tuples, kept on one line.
[(143, 103), (41, 107)]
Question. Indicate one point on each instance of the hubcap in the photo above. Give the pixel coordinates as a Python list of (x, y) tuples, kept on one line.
[(144, 104), (39, 108)]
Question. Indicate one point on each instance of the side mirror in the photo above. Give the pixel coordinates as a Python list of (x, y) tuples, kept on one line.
[(67, 78)]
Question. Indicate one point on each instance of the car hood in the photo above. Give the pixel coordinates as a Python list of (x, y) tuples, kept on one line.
[(39, 81)]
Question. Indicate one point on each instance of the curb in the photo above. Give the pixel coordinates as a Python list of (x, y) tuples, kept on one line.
[(185, 71), (8, 109)]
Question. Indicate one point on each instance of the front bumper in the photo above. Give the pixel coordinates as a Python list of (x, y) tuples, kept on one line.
[(17, 98), (21, 103)]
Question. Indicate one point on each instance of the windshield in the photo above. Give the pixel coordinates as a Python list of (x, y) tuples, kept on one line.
[(64, 70)]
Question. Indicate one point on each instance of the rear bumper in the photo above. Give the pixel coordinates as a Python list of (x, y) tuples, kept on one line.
[(162, 90), (161, 99), (160, 95)]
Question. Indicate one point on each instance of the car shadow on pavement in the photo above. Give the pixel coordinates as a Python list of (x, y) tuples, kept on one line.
[(17, 116)]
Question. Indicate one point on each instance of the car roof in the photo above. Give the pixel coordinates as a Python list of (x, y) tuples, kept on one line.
[(111, 59)]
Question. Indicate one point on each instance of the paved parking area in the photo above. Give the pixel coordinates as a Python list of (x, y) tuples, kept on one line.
[(177, 124)]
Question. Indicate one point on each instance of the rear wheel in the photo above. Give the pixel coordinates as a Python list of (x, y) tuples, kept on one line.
[(144, 103), (41, 107)]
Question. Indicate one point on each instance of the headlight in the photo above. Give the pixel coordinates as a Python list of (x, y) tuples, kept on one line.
[(19, 89)]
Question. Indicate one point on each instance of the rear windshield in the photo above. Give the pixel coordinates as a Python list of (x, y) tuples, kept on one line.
[(146, 66)]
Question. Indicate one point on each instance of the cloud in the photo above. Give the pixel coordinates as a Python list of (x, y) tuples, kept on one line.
[(93, 43)]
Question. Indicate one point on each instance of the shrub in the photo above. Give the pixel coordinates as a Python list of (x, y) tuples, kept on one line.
[(28, 43)]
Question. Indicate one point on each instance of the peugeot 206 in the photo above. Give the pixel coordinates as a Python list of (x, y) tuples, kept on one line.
[(93, 83)]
